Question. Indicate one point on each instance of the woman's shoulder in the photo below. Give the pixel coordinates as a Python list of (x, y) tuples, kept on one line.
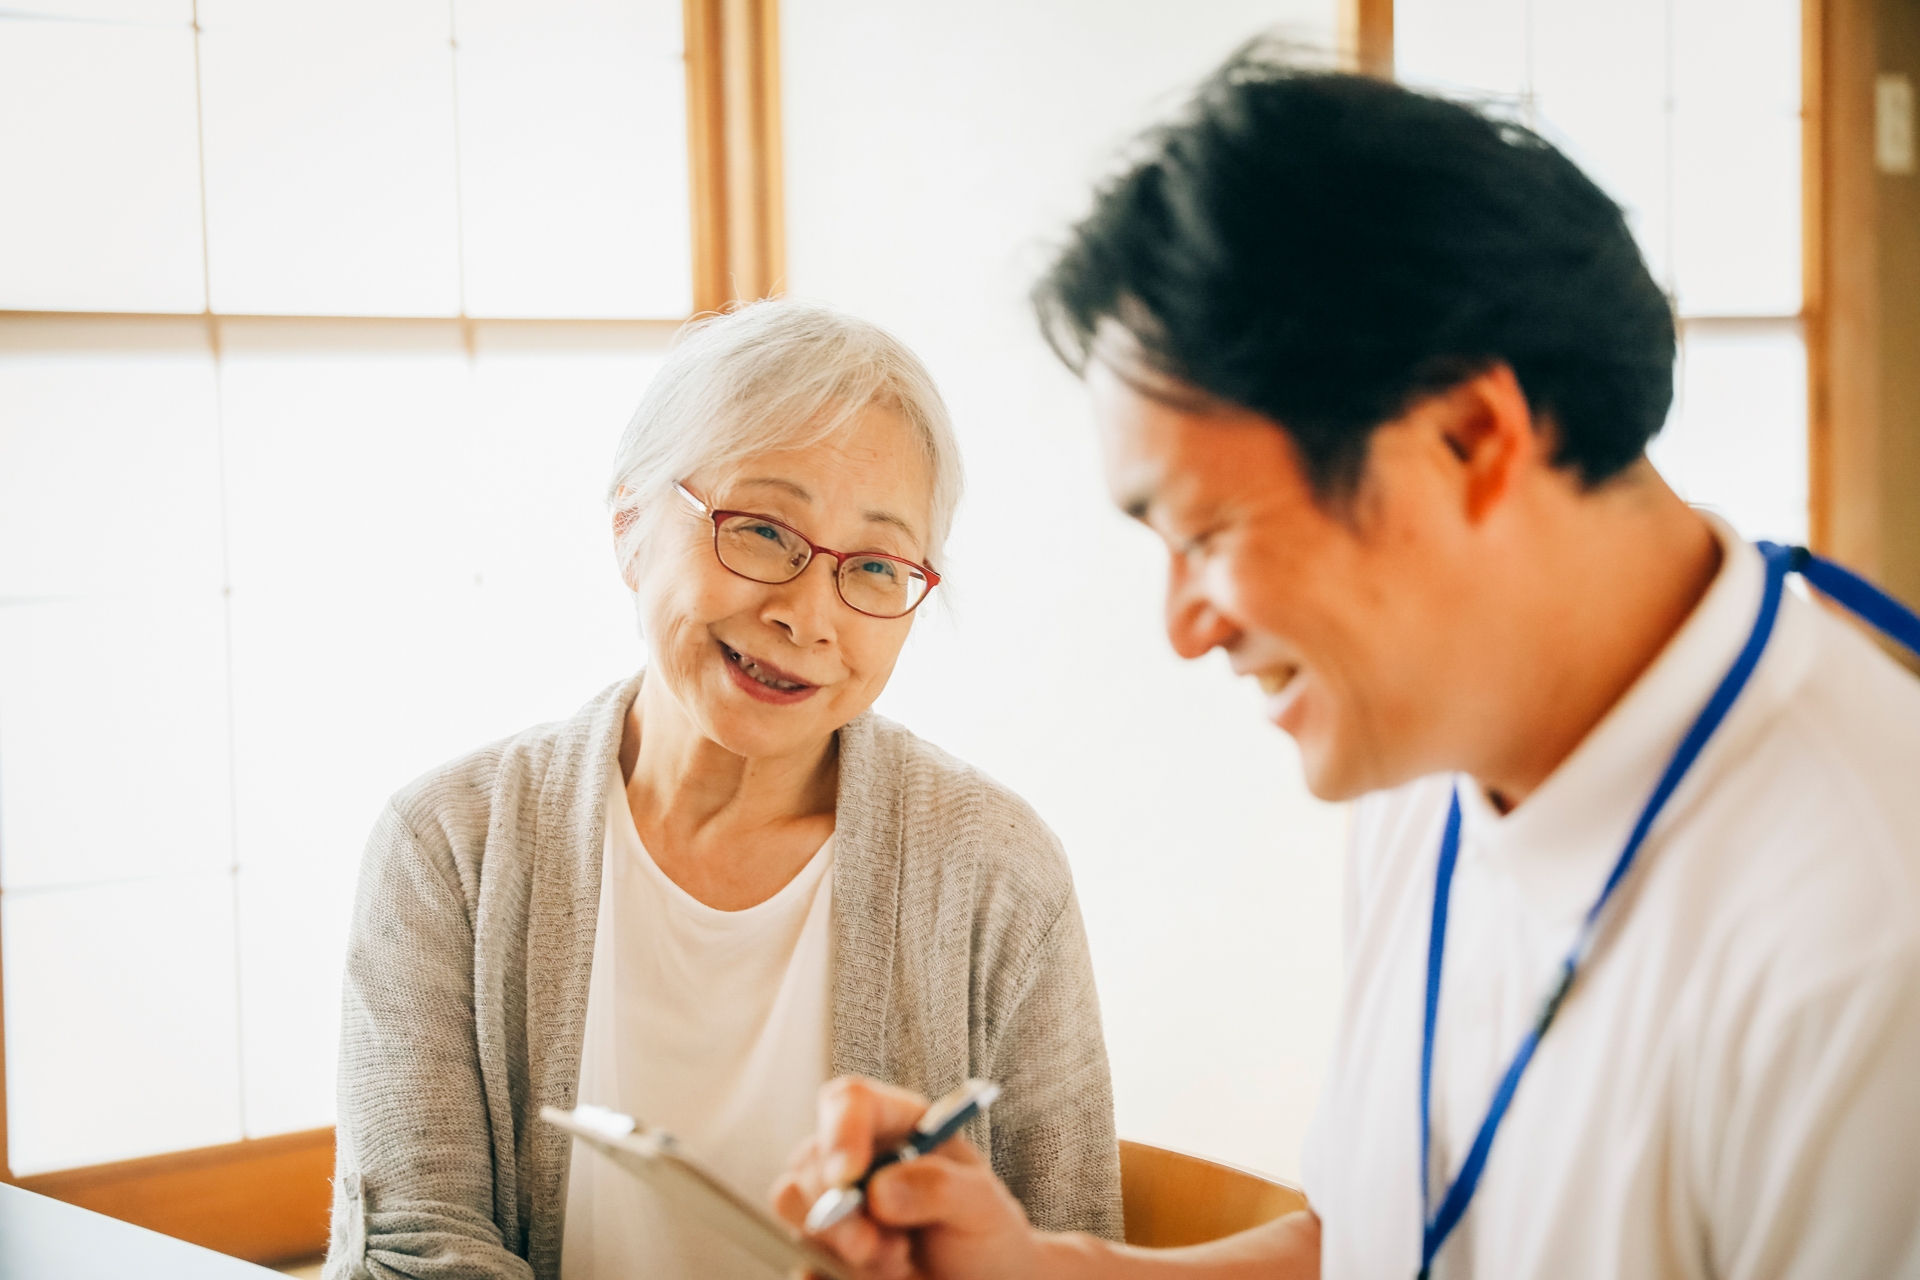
[(950, 810), (455, 803)]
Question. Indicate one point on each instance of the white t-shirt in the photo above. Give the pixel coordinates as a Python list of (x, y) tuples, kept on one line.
[(714, 1025), (1733, 1087)]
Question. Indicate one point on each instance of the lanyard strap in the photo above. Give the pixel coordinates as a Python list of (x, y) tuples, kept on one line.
[(1859, 597)]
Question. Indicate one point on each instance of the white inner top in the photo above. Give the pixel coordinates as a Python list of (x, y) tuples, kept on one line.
[(714, 1025), (1729, 1088)]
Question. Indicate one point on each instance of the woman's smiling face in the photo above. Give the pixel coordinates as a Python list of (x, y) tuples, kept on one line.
[(768, 670)]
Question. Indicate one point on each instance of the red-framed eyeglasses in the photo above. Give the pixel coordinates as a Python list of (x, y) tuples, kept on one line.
[(762, 549)]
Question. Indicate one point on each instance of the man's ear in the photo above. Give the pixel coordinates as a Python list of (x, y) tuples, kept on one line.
[(1489, 429)]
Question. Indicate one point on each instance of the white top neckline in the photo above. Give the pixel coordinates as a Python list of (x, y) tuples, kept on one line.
[(627, 843)]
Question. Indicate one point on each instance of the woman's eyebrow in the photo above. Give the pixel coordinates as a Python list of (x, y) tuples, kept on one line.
[(806, 495), (887, 517), (799, 491)]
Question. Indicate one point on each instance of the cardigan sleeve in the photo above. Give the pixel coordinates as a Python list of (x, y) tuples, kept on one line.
[(414, 1180), (1053, 1140)]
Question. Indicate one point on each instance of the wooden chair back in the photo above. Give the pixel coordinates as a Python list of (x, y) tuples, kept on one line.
[(1174, 1199)]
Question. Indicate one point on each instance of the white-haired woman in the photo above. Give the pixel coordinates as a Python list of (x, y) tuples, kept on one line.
[(724, 880)]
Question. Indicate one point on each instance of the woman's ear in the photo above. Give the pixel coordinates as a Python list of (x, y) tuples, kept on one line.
[(623, 518)]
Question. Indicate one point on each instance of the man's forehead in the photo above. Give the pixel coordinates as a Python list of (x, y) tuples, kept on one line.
[(1155, 453), (1133, 445)]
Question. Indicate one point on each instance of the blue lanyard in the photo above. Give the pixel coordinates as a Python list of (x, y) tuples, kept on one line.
[(1853, 592)]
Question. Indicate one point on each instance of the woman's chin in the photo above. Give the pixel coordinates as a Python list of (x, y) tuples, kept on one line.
[(746, 726)]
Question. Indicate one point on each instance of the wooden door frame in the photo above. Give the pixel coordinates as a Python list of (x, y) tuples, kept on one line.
[(267, 1199)]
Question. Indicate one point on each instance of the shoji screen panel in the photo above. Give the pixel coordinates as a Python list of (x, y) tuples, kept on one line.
[(102, 211), (330, 157), (573, 159), (1687, 112), (262, 565), (117, 910)]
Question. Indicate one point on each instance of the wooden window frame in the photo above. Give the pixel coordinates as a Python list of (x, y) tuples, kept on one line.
[(267, 1200)]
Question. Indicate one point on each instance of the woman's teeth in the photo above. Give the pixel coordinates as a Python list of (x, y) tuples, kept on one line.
[(752, 668)]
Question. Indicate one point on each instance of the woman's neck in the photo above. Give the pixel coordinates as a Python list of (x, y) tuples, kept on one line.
[(729, 829)]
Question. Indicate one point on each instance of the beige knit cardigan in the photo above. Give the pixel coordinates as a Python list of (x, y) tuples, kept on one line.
[(958, 951)]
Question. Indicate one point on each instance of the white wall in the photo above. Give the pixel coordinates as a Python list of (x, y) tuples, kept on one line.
[(933, 153)]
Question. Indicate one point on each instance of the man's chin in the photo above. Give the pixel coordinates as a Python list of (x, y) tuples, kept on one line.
[(1329, 775)]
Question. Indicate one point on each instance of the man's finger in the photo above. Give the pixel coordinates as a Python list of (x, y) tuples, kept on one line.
[(936, 1189), (857, 1118)]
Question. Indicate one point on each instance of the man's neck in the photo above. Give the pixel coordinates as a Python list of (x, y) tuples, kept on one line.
[(1613, 578)]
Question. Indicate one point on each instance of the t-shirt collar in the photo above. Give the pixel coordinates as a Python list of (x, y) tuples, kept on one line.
[(1562, 840)]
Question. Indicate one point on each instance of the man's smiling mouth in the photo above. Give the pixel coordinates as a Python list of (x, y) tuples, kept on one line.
[(1272, 682)]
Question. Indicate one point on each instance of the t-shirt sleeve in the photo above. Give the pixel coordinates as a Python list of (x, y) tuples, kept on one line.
[(1819, 1153)]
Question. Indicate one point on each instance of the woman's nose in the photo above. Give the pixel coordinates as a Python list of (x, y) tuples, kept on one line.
[(805, 606)]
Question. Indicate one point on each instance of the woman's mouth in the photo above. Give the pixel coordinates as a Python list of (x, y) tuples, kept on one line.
[(762, 680)]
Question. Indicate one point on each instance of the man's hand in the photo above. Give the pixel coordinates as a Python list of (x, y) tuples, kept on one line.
[(946, 1217), (941, 1217)]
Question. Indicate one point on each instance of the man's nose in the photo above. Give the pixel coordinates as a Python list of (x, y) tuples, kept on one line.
[(1194, 626)]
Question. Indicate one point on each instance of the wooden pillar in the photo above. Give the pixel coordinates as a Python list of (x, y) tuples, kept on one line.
[(1897, 269), (1862, 255), (1366, 37), (1841, 280), (733, 119)]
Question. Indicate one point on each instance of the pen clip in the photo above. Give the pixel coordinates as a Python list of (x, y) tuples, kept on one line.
[(974, 1093)]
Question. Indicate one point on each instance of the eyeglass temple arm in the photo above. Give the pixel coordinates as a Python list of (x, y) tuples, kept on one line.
[(699, 507)]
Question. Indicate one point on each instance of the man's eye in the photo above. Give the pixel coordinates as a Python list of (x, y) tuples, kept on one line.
[(1194, 547)]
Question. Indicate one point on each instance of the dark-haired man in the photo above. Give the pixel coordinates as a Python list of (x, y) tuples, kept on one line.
[(1633, 979)]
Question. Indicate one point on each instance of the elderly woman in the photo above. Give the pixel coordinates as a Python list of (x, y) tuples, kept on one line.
[(724, 880)]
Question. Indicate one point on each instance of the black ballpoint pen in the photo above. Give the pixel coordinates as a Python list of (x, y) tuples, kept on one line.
[(943, 1119)]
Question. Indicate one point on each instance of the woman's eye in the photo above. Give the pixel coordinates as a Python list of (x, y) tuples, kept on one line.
[(885, 567), (767, 531)]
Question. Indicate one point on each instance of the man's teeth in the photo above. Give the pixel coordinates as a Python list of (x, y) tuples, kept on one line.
[(752, 668), (1272, 682)]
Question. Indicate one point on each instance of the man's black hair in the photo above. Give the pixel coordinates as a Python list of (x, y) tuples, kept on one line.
[(1326, 249)]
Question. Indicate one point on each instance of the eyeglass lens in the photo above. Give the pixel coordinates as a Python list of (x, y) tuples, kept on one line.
[(766, 552)]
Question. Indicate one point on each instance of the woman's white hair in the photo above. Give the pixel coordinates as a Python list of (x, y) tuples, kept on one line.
[(777, 374)]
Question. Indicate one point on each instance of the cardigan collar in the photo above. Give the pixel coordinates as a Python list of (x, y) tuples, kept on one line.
[(567, 818)]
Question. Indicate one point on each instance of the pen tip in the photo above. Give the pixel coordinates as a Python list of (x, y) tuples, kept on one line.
[(832, 1207)]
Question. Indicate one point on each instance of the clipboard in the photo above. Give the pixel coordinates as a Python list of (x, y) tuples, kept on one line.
[(652, 1156)]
